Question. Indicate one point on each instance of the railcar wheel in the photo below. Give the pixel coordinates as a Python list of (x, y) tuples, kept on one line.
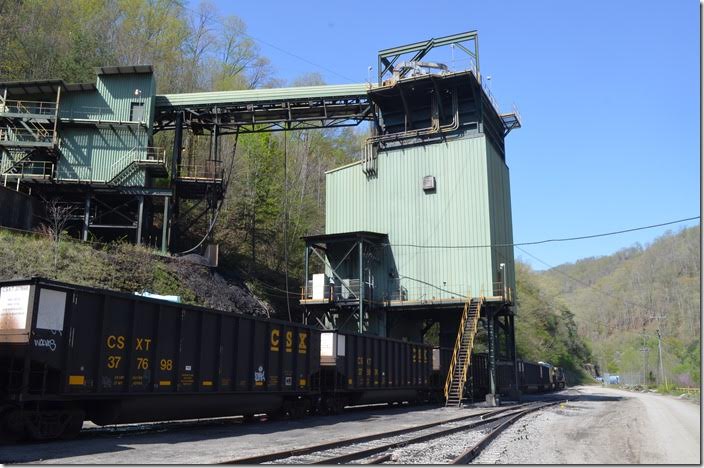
[(53, 424)]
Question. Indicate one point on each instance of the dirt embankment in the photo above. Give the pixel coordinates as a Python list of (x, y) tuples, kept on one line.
[(127, 268)]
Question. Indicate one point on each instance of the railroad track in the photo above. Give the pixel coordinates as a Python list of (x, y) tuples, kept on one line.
[(365, 448), (472, 453)]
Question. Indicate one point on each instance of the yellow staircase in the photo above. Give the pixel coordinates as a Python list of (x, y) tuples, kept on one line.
[(457, 373)]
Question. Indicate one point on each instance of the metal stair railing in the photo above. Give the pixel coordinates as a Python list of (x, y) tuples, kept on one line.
[(153, 156), (462, 354), (11, 157), (37, 131), (28, 170), (10, 106), (25, 135), (474, 318), (124, 174), (455, 353)]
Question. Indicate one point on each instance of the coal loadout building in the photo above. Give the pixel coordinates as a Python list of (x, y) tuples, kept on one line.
[(418, 232)]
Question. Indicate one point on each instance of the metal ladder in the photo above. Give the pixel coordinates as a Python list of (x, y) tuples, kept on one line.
[(125, 173), (457, 373)]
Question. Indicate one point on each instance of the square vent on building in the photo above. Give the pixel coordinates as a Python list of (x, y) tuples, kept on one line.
[(429, 183)]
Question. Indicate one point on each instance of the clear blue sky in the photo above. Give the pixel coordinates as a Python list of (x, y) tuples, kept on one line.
[(608, 91)]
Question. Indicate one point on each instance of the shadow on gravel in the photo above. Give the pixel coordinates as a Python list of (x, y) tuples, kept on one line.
[(117, 442), (601, 398)]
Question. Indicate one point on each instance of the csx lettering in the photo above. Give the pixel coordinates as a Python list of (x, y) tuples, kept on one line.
[(302, 346), (116, 342), (289, 341), (275, 339), (143, 344)]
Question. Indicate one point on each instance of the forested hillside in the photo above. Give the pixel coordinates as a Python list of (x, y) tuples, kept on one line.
[(277, 180), (620, 301), (545, 327)]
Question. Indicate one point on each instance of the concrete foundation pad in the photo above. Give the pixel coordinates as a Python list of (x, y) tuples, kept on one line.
[(493, 399)]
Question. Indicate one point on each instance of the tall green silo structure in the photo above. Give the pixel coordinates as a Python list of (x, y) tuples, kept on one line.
[(419, 231)]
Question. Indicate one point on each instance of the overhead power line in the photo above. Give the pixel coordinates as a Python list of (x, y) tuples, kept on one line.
[(583, 283), (545, 241)]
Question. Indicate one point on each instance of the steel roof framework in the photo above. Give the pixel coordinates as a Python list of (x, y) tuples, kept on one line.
[(467, 42), (268, 110)]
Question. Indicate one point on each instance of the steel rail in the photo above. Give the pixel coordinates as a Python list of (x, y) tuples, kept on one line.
[(477, 448), (360, 454), (356, 440)]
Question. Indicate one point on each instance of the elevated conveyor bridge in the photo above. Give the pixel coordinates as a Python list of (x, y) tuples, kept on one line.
[(266, 110)]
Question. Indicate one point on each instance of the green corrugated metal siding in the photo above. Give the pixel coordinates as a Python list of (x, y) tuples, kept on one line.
[(98, 154), (500, 209), (118, 91), (257, 95), (112, 99), (458, 213)]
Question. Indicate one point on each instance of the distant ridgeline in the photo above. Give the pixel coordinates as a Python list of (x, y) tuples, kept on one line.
[(620, 302)]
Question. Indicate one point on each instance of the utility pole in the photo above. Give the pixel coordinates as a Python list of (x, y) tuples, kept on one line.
[(645, 350), (663, 377)]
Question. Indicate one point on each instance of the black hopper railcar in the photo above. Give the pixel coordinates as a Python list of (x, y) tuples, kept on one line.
[(69, 353), (530, 377), (359, 369)]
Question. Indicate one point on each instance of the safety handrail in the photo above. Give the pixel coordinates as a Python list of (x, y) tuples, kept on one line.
[(24, 169), (45, 108), (210, 170), (10, 133), (458, 344), (471, 345), (153, 153)]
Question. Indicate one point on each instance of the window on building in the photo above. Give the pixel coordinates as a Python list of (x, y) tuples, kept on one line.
[(137, 112)]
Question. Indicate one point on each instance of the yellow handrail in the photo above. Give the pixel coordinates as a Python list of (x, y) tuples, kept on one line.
[(458, 344), (467, 362)]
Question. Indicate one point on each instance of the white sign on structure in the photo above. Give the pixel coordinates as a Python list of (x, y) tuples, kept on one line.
[(327, 342), (319, 286), (14, 307), (52, 305)]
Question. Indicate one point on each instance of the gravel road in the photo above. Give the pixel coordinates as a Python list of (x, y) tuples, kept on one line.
[(604, 426)]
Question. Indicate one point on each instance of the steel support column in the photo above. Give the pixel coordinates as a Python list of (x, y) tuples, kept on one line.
[(361, 286), (86, 218), (492, 398), (165, 226), (512, 352), (140, 217), (305, 269), (175, 164)]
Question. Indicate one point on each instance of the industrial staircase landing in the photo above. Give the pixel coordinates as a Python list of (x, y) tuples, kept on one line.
[(457, 373)]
